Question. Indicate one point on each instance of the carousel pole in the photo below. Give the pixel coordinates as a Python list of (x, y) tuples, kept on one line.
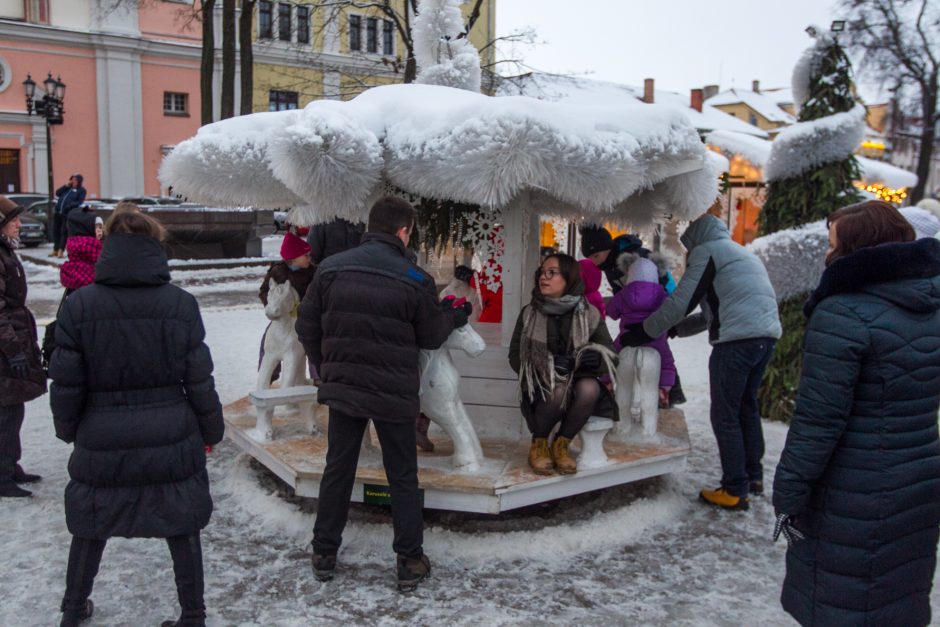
[(520, 259)]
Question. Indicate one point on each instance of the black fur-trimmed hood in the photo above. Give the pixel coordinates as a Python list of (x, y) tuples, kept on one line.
[(907, 274)]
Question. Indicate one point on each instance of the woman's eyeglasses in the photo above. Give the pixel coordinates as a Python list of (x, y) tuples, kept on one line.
[(549, 273)]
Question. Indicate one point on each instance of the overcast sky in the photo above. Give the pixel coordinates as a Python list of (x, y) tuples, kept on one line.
[(681, 43)]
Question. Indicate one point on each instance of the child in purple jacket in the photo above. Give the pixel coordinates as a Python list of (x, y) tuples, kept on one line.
[(640, 298)]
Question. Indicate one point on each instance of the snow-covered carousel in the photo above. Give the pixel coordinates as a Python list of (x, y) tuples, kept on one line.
[(518, 160)]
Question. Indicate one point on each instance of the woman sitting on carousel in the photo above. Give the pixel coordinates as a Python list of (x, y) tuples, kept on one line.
[(560, 346)]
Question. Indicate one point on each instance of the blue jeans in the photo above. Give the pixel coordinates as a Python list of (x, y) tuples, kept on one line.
[(735, 371)]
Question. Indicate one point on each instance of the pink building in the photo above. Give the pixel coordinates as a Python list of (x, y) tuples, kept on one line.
[(132, 91)]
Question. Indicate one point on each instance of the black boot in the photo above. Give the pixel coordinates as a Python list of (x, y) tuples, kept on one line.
[(411, 572), (21, 476), (193, 620), (324, 566), (676, 395), (14, 491), (72, 618), (421, 433)]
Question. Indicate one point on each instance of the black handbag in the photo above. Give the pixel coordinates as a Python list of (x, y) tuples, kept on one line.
[(48, 338)]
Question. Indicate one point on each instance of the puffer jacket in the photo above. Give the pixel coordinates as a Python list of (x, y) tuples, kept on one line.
[(79, 270), (333, 237), (132, 387), (17, 333), (634, 304), (860, 471), (365, 317), (728, 281)]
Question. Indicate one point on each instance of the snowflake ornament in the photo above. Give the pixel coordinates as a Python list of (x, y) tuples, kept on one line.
[(484, 235)]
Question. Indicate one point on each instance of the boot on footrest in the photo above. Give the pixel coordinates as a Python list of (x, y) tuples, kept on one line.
[(540, 459), (564, 462)]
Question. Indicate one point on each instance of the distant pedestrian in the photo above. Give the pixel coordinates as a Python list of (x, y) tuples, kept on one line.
[(83, 248), (366, 316), (333, 237), (68, 197), (132, 388), (21, 375), (857, 489)]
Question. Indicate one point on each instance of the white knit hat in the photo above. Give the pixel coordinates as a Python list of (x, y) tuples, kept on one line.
[(643, 271), (930, 204), (924, 222)]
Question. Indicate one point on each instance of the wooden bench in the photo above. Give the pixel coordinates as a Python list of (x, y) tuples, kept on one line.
[(303, 396)]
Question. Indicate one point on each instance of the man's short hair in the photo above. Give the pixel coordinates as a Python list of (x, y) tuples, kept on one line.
[(390, 214)]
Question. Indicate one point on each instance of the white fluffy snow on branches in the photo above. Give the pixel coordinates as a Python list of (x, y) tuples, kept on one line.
[(439, 142), (809, 64), (444, 57), (795, 258), (808, 145)]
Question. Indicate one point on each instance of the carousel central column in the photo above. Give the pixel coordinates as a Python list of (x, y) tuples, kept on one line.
[(520, 259)]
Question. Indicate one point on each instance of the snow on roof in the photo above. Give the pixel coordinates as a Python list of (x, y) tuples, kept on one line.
[(754, 149), (589, 92), (888, 175), (780, 95), (757, 151), (452, 144), (764, 104)]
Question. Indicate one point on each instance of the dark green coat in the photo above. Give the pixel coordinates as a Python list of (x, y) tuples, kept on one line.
[(861, 466), (559, 343)]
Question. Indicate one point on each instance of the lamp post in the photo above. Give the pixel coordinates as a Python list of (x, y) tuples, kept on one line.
[(49, 106)]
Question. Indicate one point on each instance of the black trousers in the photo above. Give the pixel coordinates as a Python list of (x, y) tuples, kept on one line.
[(186, 551), (59, 232), (400, 458), (11, 419)]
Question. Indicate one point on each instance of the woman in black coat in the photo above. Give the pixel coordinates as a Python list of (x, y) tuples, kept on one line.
[(132, 387), (21, 375), (558, 348), (857, 490)]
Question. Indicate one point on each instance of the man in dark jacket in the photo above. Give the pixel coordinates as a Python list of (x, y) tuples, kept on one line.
[(333, 237), (367, 314), (21, 375), (68, 197)]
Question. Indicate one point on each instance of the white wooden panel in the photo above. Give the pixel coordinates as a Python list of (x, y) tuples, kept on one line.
[(494, 392)]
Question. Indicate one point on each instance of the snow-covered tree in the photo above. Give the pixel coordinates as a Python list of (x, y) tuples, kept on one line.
[(811, 169), (444, 57)]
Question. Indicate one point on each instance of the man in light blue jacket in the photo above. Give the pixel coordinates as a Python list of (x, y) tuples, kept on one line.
[(739, 309)]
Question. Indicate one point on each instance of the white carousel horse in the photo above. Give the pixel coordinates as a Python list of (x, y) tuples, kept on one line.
[(638, 392), (281, 346), (440, 395)]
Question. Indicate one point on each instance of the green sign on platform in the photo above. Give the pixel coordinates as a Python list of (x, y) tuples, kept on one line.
[(374, 494)]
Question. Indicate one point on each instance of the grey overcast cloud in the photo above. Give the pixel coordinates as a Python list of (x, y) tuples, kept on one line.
[(682, 44)]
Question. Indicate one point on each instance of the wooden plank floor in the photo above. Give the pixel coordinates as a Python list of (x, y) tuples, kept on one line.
[(298, 458)]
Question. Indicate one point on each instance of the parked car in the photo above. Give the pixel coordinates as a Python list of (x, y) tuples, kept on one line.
[(280, 221), (24, 199), (32, 230)]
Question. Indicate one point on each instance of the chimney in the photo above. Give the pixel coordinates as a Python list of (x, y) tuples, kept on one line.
[(709, 91), (755, 87), (697, 99), (648, 91)]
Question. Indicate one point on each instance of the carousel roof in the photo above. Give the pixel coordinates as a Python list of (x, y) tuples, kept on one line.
[(332, 158)]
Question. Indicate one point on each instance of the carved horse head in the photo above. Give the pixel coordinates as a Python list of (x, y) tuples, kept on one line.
[(466, 339), (282, 298)]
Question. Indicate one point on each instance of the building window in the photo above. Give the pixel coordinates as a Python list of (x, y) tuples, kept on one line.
[(355, 33), (388, 37), (175, 103), (303, 25), (283, 21), (752, 119), (281, 100), (265, 21), (372, 35)]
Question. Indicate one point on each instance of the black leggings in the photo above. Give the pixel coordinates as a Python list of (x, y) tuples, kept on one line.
[(584, 395), (186, 551)]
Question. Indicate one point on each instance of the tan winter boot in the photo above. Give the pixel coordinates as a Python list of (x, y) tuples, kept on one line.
[(421, 433), (564, 462), (540, 460)]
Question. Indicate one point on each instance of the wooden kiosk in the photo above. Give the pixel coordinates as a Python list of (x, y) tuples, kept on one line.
[(523, 157)]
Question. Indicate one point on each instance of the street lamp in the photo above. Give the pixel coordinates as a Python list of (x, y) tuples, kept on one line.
[(49, 106)]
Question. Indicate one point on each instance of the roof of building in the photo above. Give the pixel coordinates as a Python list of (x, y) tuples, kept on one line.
[(587, 92), (764, 104)]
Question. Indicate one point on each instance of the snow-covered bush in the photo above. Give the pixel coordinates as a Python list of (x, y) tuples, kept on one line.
[(445, 57)]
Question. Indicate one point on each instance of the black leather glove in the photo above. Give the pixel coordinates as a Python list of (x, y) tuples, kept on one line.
[(19, 365), (462, 314), (447, 303), (590, 360), (463, 273), (635, 336), (784, 525), (673, 332), (563, 364)]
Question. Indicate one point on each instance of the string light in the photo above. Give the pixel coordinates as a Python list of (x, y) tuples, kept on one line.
[(885, 193)]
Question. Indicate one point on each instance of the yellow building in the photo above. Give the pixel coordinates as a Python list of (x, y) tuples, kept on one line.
[(754, 107), (306, 50)]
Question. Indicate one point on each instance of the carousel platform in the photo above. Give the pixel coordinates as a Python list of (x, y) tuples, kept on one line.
[(503, 482)]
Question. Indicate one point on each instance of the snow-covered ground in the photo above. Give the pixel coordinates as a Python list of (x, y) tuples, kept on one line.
[(643, 554)]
